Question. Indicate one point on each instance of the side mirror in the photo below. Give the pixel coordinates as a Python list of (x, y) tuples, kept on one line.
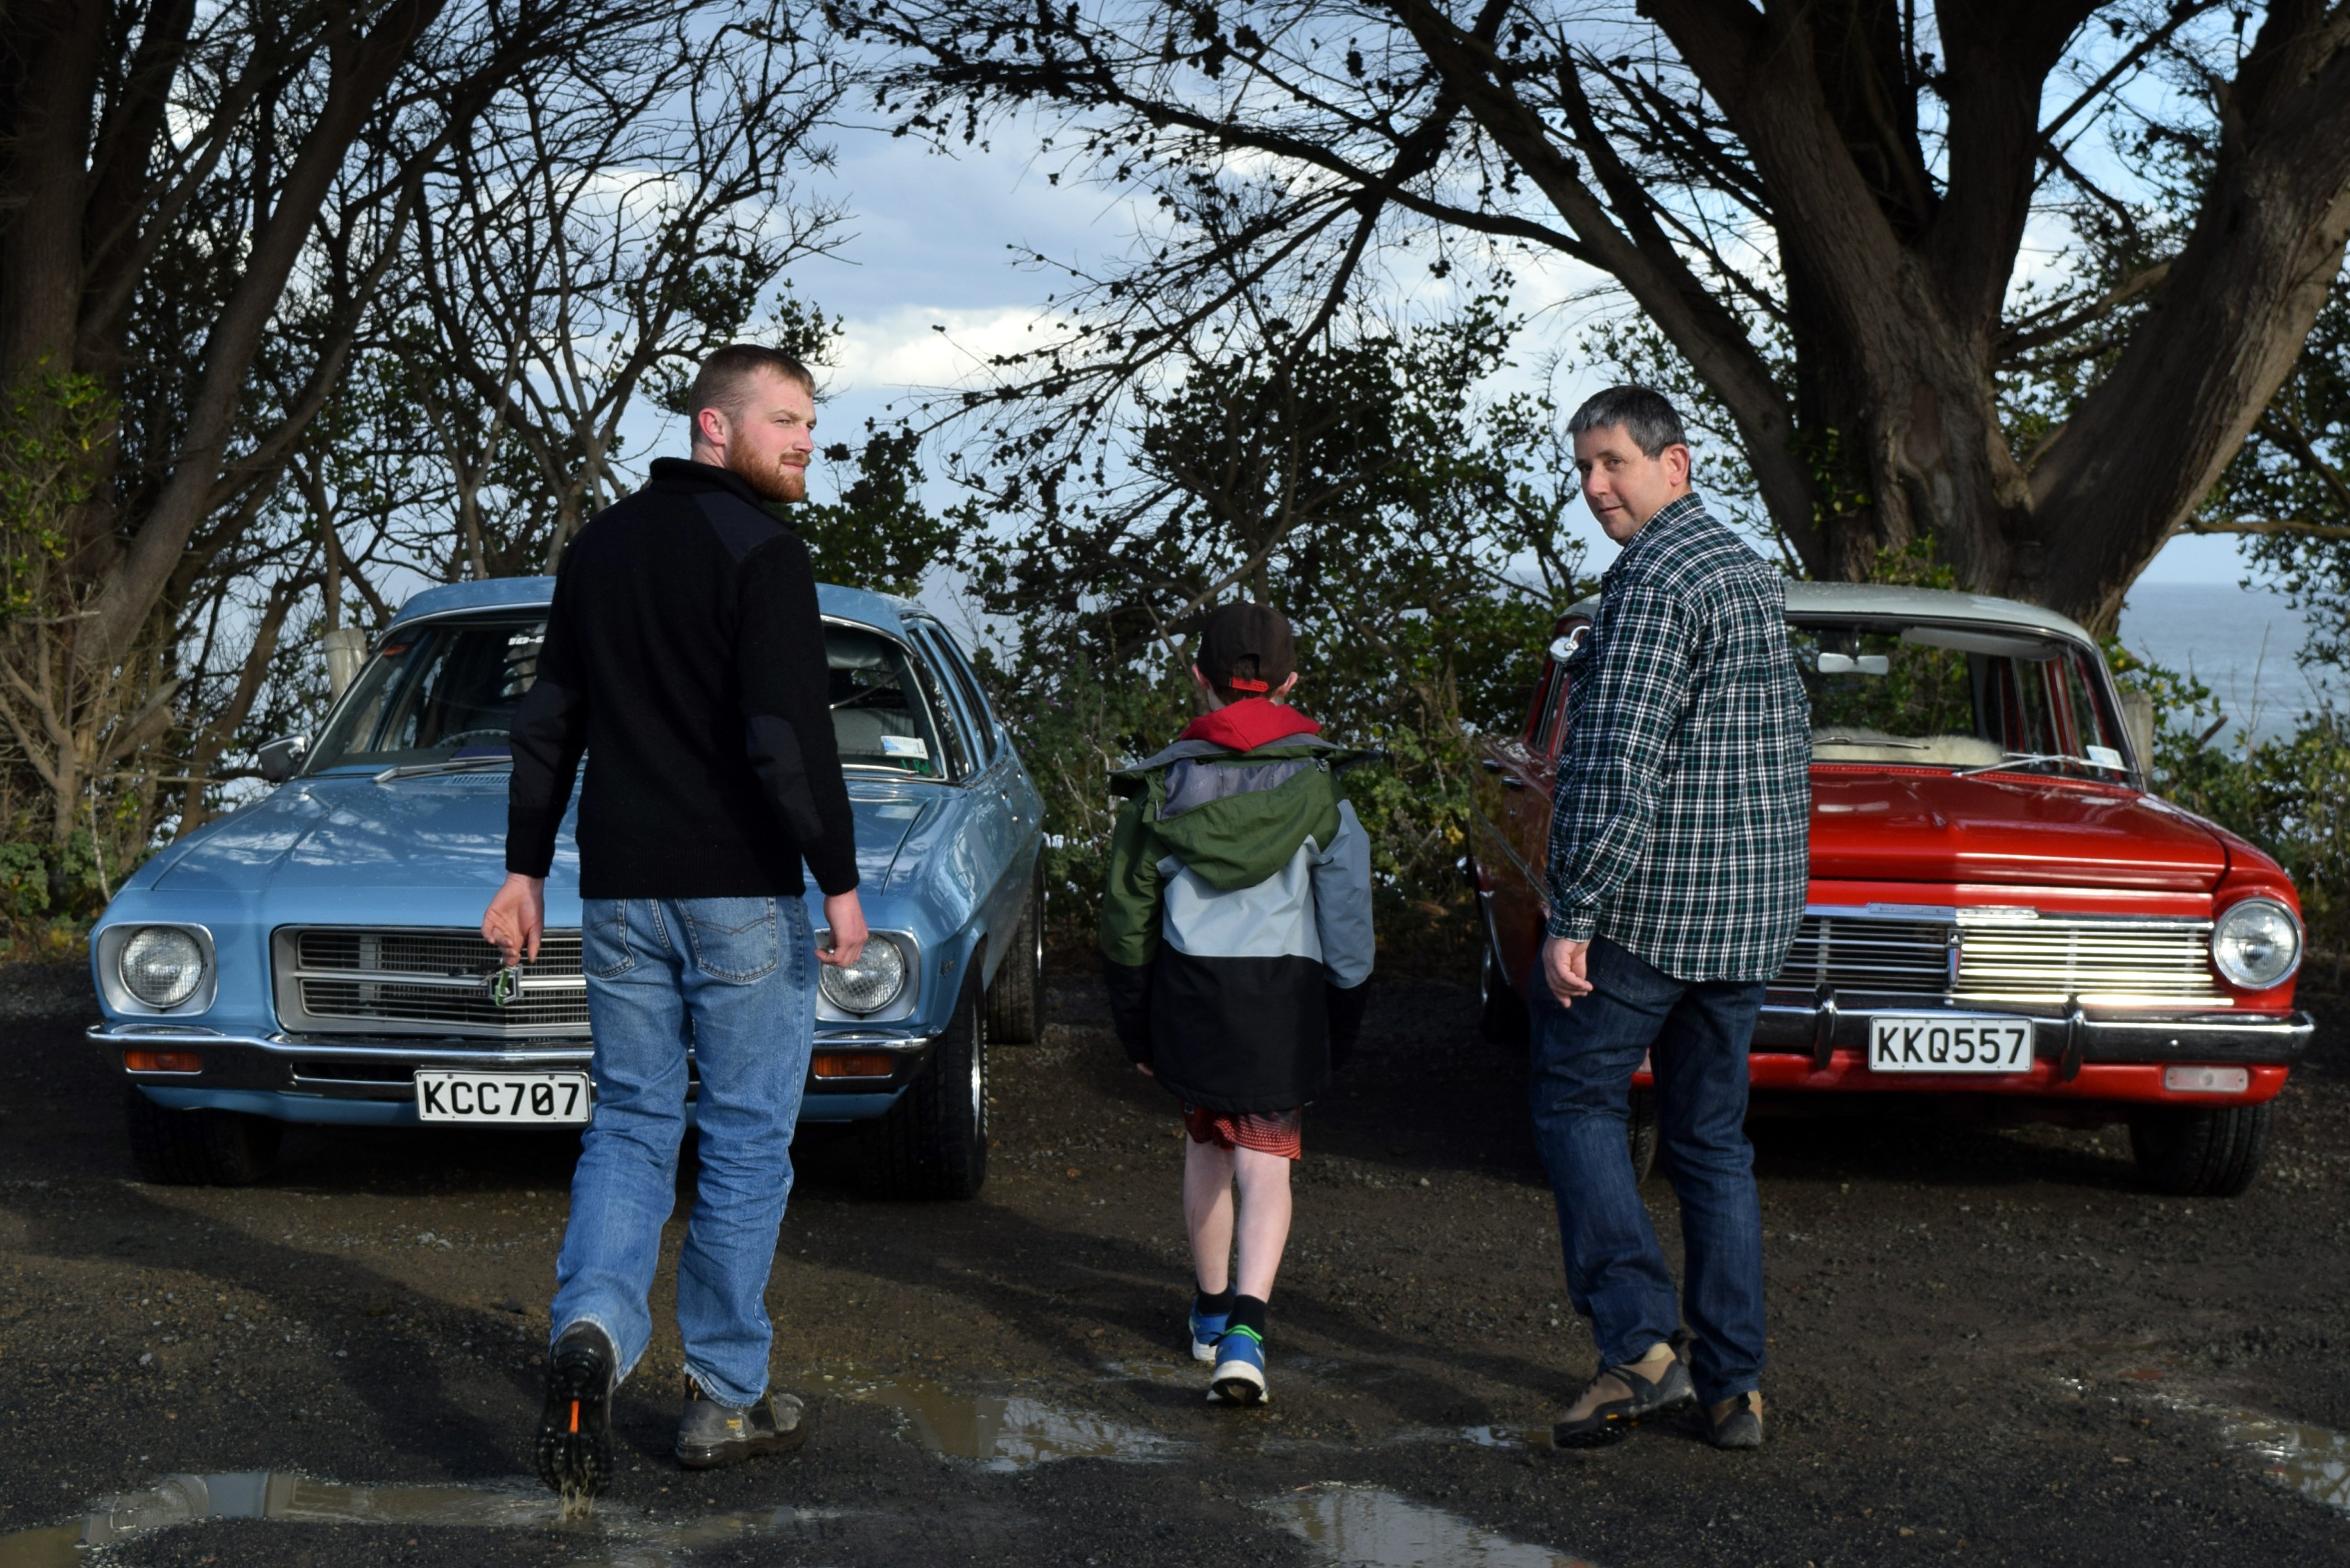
[(282, 756), (1563, 649)]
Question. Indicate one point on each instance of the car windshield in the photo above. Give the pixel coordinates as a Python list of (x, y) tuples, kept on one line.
[(446, 691), (1940, 695)]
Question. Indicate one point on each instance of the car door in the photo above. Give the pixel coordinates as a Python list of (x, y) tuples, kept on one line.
[(1510, 825), (994, 824)]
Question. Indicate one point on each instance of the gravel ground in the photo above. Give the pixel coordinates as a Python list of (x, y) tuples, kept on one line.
[(1989, 1346)]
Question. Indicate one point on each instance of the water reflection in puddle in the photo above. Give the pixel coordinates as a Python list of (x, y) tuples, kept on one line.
[(1368, 1527), (1006, 1432), (612, 1540), (2313, 1461)]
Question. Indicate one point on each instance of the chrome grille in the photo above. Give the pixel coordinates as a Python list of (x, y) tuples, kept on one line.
[(1853, 954), (2050, 960), (360, 980), (2047, 960)]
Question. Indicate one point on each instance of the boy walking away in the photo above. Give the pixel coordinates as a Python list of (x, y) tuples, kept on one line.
[(1236, 932)]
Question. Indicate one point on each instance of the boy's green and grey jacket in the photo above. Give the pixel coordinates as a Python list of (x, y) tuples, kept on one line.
[(1236, 925)]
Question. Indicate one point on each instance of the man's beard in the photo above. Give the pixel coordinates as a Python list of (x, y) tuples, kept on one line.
[(774, 481)]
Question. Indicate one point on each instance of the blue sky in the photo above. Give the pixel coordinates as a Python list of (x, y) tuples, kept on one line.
[(929, 247)]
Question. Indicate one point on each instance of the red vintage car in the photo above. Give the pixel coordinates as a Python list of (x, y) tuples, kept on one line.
[(2002, 922)]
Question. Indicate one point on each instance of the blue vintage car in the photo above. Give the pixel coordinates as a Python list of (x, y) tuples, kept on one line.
[(316, 956)]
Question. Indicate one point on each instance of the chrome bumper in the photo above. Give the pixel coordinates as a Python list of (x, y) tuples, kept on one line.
[(1827, 1023), (383, 1068)]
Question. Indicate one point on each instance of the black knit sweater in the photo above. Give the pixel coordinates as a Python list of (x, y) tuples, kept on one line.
[(684, 655)]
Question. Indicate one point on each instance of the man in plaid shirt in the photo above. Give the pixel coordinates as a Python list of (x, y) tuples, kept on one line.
[(1677, 860)]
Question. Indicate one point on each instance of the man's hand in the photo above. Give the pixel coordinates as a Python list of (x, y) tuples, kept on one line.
[(1562, 962), (845, 918), (517, 917)]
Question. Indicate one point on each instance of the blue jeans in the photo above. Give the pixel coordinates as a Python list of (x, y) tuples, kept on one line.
[(1696, 1033), (733, 979)]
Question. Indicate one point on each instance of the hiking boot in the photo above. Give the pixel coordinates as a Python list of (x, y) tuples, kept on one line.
[(575, 1429), (1736, 1422), (711, 1434), (1238, 1376), (1619, 1398)]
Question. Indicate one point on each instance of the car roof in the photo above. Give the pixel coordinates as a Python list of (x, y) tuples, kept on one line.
[(885, 611), (1920, 603)]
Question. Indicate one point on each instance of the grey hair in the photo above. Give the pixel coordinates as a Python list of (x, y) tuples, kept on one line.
[(1653, 423)]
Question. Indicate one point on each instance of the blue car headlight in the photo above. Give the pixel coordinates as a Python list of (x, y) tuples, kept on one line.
[(162, 966), (871, 983)]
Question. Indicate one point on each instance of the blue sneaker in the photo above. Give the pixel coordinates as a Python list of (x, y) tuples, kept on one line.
[(1238, 1376), (1207, 1328)]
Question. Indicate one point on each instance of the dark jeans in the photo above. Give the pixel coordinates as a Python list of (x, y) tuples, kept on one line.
[(1696, 1035)]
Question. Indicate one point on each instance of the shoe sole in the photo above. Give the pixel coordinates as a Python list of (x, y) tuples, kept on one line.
[(1202, 1351), (722, 1454), (575, 1431), (1242, 1384), (1616, 1428)]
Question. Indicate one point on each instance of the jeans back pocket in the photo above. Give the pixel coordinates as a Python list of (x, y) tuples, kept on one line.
[(733, 938), (604, 938)]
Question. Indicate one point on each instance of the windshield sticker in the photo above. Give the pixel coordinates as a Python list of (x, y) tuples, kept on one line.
[(905, 746)]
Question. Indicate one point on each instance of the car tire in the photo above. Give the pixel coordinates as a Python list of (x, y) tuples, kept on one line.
[(202, 1147), (1501, 1011), (1015, 1003), (2201, 1153), (1640, 1117), (933, 1142)]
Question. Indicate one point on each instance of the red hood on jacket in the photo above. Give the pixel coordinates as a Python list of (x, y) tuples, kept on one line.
[(1250, 722)]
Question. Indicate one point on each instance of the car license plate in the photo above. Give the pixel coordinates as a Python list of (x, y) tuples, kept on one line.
[(443, 1097), (1948, 1043)]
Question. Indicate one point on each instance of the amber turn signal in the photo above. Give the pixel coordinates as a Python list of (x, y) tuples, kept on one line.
[(864, 1066), (163, 1061)]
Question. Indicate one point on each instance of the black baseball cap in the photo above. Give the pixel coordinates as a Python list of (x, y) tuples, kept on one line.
[(1247, 647)]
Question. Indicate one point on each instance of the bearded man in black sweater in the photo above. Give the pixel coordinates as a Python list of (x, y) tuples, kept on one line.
[(684, 657)]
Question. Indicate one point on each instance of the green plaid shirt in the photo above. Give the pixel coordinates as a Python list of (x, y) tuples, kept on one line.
[(1682, 827)]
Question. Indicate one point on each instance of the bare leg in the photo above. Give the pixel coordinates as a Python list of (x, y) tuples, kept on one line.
[(1264, 1217), (1208, 1212)]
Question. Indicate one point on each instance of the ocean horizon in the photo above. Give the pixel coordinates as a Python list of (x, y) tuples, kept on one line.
[(2244, 643)]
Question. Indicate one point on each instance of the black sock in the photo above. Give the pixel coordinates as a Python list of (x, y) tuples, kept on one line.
[(1247, 1313), (1215, 1305)]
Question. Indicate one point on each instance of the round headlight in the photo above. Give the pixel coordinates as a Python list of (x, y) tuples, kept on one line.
[(162, 966), (2257, 944), (869, 984)]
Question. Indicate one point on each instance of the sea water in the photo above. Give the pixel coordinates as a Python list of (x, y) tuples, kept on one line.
[(2242, 643)]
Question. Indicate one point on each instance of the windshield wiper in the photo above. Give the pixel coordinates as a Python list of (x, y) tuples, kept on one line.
[(447, 765), (2025, 759), (1857, 741)]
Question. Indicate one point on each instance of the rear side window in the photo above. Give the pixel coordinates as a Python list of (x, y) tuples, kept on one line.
[(966, 685)]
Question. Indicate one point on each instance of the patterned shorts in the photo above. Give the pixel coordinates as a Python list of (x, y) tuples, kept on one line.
[(1283, 1133)]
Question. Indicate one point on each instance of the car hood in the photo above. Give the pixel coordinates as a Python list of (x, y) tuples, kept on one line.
[(437, 831), (1926, 825)]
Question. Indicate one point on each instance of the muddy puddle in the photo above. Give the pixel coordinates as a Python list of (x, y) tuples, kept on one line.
[(1003, 1432), (1369, 1527), (2313, 1461), (613, 1539)]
